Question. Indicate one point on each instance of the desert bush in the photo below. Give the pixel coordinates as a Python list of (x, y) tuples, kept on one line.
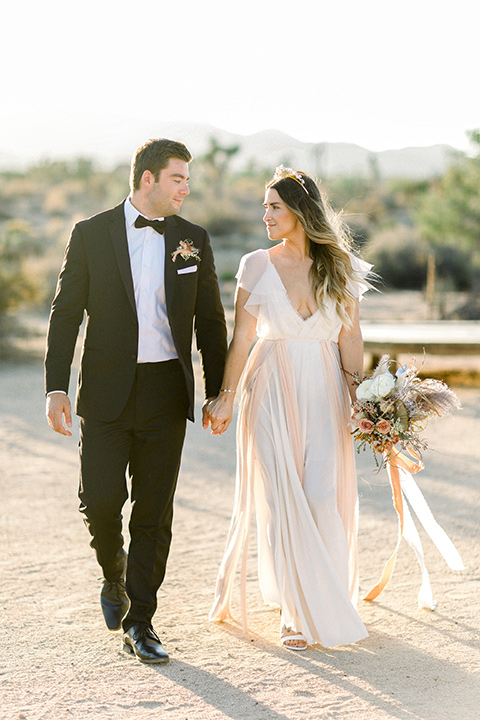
[(400, 257), (457, 267), (18, 242)]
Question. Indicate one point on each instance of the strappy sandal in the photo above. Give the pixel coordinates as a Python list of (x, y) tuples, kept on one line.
[(297, 636)]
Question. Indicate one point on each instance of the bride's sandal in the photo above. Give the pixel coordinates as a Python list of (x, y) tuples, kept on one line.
[(286, 636)]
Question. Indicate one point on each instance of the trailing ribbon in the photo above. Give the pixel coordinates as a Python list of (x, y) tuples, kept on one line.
[(404, 488)]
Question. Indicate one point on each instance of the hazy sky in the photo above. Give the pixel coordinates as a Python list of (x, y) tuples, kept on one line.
[(377, 73)]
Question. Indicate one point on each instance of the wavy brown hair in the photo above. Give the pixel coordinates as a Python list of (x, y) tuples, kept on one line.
[(329, 236)]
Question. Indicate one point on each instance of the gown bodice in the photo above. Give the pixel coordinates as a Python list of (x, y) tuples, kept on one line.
[(277, 318)]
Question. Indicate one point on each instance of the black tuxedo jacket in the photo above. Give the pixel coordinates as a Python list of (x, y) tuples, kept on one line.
[(96, 279)]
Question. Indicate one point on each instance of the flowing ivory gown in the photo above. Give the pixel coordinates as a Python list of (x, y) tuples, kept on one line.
[(295, 459)]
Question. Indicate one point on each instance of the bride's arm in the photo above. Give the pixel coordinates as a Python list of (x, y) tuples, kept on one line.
[(350, 344), (220, 410)]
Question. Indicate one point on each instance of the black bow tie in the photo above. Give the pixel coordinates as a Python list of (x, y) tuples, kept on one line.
[(158, 225)]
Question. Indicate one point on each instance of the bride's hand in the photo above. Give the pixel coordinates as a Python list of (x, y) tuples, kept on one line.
[(219, 413)]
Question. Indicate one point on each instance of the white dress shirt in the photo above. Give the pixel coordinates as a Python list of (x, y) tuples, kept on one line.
[(146, 248)]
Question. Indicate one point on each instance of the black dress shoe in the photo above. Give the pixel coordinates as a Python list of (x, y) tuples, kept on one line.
[(115, 603), (145, 643)]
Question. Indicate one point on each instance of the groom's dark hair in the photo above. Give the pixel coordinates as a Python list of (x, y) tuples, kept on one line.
[(154, 156)]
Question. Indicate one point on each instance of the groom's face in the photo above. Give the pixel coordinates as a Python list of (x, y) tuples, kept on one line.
[(166, 195)]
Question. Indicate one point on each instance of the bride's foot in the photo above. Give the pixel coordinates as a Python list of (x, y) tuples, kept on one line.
[(292, 640)]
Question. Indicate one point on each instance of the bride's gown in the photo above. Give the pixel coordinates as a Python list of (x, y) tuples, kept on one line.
[(296, 462)]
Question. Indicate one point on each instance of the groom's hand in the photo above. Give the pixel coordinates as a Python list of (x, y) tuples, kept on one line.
[(205, 414), (58, 407), (218, 413)]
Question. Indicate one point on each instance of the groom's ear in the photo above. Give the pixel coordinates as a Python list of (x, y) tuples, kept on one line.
[(147, 179)]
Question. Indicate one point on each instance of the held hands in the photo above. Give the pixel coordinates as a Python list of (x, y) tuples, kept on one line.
[(58, 407), (217, 412)]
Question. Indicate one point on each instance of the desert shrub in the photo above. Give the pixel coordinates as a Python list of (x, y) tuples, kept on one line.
[(399, 257), (18, 242), (456, 267)]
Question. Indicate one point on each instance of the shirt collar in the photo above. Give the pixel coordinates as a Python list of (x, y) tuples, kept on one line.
[(131, 213)]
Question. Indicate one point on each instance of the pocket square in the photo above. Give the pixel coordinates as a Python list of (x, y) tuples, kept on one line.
[(189, 269)]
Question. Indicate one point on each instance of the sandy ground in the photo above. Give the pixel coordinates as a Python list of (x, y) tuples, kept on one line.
[(59, 661)]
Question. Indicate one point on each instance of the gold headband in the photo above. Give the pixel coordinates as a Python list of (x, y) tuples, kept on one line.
[(282, 172)]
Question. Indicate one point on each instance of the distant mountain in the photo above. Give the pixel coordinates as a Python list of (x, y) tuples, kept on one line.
[(113, 143), (269, 148)]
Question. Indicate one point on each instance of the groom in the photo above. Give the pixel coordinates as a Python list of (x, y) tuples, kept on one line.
[(145, 279)]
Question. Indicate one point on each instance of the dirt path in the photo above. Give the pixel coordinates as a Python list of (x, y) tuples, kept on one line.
[(58, 660)]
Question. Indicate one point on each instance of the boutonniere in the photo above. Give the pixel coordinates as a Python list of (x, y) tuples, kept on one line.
[(186, 250)]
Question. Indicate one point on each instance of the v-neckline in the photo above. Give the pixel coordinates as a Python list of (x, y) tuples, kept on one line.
[(287, 295)]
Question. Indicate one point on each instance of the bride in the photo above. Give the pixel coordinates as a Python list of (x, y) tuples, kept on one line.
[(295, 453)]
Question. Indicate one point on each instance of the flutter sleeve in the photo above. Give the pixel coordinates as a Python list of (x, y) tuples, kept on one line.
[(360, 285), (251, 277)]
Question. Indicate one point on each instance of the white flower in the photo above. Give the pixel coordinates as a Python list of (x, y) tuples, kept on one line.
[(363, 390), (382, 385)]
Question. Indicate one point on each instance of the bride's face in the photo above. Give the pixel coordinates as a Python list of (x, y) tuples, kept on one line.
[(280, 221)]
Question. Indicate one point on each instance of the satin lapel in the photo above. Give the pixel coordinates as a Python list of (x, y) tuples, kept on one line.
[(120, 244), (172, 240)]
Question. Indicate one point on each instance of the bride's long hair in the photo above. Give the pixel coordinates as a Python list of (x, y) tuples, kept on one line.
[(329, 236)]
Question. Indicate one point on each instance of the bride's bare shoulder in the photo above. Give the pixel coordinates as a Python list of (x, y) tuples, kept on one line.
[(275, 250)]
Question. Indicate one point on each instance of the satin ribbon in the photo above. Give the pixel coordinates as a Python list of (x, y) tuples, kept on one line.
[(405, 491)]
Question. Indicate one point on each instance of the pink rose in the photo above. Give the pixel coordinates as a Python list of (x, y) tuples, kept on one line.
[(366, 426), (383, 426)]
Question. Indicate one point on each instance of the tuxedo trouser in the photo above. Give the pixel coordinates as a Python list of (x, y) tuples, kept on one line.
[(145, 442)]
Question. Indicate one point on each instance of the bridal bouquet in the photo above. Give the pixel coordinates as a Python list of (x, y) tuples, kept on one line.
[(389, 413), (392, 409)]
